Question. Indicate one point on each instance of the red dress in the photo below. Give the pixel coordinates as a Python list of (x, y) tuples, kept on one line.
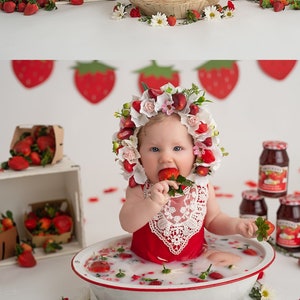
[(176, 233)]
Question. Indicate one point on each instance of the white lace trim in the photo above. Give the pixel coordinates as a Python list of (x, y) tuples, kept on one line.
[(181, 218)]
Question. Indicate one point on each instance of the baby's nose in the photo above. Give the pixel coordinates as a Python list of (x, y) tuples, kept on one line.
[(165, 157)]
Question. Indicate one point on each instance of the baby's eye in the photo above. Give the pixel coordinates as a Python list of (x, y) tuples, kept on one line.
[(154, 149), (177, 148)]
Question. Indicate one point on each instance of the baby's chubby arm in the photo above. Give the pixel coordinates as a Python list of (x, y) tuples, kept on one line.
[(138, 210), (220, 223)]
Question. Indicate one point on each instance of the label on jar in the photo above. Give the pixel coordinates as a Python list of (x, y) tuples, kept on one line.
[(272, 179), (249, 216), (288, 233)]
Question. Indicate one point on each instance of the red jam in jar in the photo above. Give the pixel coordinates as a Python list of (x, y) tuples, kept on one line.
[(273, 169), (253, 205), (288, 223)]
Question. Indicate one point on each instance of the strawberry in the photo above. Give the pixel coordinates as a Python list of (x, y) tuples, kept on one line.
[(99, 266), (30, 224), (7, 220), (202, 128), (35, 158), (124, 255), (192, 15), (45, 141), (76, 2), (50, 246), (155, 282), (25, 258), (278, 6), (128, 166), (207, 156), (22, 148), (194, 109), (173, 174), (18, 163), (44, 223), (32, 72), (31, 8), (168, 174), (179, 101), (9, 6), (132, 183), (202, 171), (26, 246), (219, 77), (171, 20), (136, 104), (156, 76), (277, 69), (135, 12), (21, 6), (94, 80), (215, 275), (264, 228), (124, 133), (250, 251), (62, 223)]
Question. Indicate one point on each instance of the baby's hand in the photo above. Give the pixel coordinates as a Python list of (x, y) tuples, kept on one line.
[(159, 191), (247, 228)]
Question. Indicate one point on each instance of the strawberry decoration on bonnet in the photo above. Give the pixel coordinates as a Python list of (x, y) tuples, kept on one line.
[(190, 105)]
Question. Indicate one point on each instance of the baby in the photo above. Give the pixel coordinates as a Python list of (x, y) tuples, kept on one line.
[(168, 129)]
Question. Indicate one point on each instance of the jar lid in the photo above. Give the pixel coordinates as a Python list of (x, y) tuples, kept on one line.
[(290, 199), (252, 195), (275, 145)]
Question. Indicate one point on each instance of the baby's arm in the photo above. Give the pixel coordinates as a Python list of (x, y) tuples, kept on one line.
[(138, 210), (219, 223)]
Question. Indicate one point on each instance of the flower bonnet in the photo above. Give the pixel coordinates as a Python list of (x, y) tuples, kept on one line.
[(190, 105)]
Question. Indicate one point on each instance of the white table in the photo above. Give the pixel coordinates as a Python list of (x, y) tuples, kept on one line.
[(88, 32)]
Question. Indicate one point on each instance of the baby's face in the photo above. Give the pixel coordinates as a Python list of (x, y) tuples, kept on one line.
[(166, 144)]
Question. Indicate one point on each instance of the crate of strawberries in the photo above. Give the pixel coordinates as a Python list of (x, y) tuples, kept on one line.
[(49, 220), (8, 235), (35, 145)]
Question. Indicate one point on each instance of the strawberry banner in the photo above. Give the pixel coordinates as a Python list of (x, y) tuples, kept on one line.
[(156, 76), (94, 80), (277, 69), (218, 77), (32, 73)]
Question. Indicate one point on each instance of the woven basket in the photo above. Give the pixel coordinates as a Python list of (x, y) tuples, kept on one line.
[(171, 7)]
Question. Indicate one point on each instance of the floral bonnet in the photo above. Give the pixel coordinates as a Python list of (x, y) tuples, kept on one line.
[(190, 105)]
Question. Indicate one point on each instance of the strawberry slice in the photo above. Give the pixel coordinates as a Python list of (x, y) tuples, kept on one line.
[(99, 266), (264, 228), (250, 251), (215, 275)]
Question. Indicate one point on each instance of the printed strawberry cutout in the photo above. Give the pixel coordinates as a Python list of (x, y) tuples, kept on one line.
[(32, 72), (156, 76), (277, 69), (94, 80), (218, 77), (173, 174)]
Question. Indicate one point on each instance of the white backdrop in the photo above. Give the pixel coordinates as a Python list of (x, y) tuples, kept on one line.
[(259, 108)]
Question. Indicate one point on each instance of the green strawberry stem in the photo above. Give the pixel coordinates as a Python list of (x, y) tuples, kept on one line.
[(182, 181), (262, 229), (204, 274)]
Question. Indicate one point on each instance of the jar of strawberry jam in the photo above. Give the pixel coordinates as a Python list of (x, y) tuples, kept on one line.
[(288, 223), (273, 169), (253, 205)]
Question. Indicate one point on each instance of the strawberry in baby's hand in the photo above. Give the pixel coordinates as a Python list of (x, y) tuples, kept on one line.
[(264, 229), (173, 174)]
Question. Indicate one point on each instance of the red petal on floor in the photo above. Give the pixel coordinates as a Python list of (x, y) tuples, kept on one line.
[(251, 183), (110, 190), (93, 199)]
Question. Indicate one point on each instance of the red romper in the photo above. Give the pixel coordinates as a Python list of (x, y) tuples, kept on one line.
[(176, 233)]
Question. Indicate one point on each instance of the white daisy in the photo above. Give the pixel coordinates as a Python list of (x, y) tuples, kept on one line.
[(159, 20), (266, 293), (211, 13), (228, 13), (119, 12)]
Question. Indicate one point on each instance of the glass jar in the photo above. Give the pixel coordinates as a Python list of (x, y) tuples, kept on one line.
[(253, 205), (273, 169), (288, 223)]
